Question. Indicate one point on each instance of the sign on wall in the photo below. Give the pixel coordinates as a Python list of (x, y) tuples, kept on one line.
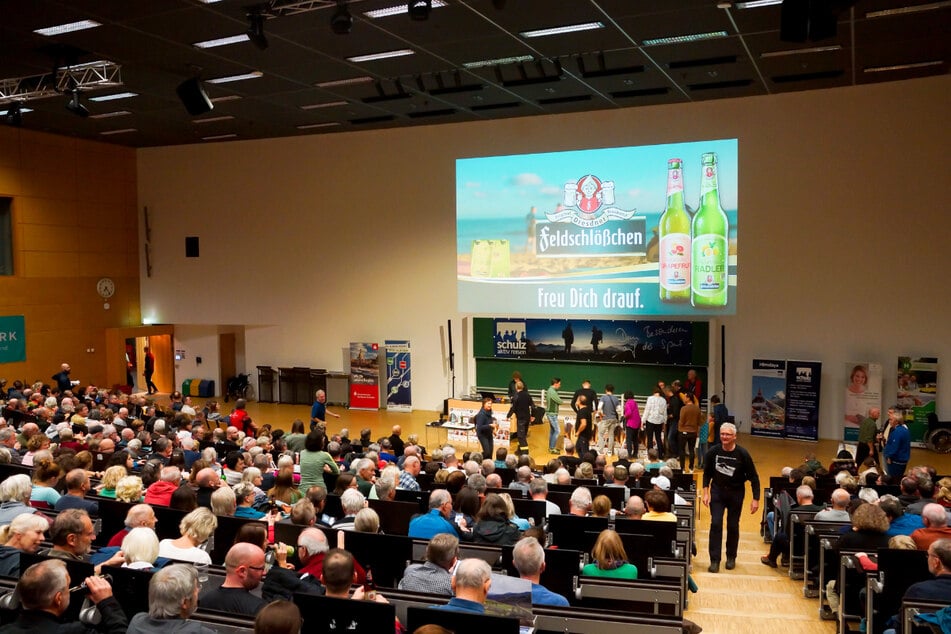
[(12, 339), (398, 377)]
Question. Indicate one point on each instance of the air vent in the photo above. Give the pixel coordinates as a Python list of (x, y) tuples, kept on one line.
[(369, 120), (432, 113), (643, 92), (451, 90), (826, 74), (612, 72), (530, 81), (557, 100), (708, 61), (495, 106), (386, 98), (718, 85)]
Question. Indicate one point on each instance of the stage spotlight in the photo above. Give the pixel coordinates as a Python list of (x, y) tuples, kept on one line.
[(419, 9), (255, 30), (76, 106), (342, 22), (15, 114)]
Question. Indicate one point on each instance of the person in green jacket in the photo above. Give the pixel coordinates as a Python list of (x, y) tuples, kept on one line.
[(610, 559), (552, 403)]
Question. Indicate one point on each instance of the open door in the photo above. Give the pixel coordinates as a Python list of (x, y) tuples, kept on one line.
[(159, 338)]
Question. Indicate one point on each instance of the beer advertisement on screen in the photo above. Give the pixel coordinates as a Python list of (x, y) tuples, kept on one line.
[(917, 394), (364, 376), (648, 230), (768, 409), (803, 380), (863, 397), (399, 397)]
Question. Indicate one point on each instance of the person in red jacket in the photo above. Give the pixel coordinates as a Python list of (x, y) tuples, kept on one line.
[(160, 492)]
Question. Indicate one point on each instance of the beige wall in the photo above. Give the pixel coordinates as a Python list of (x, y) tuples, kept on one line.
[(74, 216), (320, 240)]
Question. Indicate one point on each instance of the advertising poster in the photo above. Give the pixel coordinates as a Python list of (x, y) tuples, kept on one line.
[(398, 377), (601, 340), (12, 339), (803, 380), (863, 393), (364, 376), (649, 230), (917, 394), (768, 411)]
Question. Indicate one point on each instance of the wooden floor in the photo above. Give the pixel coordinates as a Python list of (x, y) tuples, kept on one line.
[(750, 599)]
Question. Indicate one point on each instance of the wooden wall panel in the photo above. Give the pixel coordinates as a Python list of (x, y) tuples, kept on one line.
[(75, 221)]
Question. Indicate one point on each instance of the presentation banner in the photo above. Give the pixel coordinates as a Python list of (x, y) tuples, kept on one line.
[(593, 232), (768, 411), (863, 393), (364, 376), (803, 382), (12, 339), (602, 340), (917, 394), (398, 377)]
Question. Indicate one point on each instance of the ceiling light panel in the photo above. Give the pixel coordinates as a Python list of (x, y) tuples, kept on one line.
[(71, 27), (561, 30), (114, 96), (230, 78), (397, 9), (384, 55), (685, 39), (222, 41)]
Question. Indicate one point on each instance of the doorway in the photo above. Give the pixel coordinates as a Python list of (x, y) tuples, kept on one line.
[(227, 358)]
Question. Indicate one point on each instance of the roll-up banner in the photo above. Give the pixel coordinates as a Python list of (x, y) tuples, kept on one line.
[(768, 410), (863, 394), (917, 394), (364, 376), (803, 382), (12, 339), (398, 377)]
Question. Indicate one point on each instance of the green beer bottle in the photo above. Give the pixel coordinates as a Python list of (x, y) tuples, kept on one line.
[(710, 245), (674, 234)]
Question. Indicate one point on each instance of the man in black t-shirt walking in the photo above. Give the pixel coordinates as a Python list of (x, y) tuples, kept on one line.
[(727, 467)]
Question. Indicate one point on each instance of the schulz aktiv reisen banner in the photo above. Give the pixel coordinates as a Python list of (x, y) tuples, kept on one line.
[(12, 339)]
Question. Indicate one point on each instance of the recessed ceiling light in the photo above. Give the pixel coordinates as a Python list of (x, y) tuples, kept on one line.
[(226, 117), (209, 1), (225, 98), (498, 61), (755, 4), (122, 131), (114, 96), (222, 41), (71, 27), (685, 39), (882, 69), (312, 126), (326, 104), (218, 137), (230, 78), (109, 115), (559, 30), (384, 55), (4, 113), (397, 10), (344, 82), (802, 51)]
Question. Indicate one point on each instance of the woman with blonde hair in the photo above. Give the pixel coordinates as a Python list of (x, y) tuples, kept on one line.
[(23, 535), (523, 524), (195, 529), (141, 548), (601, 506), (610, 559), (585, 471), (367, 521), (129, 489), (110, 479)]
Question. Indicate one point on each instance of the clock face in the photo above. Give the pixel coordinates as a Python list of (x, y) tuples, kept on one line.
[(105, 287)]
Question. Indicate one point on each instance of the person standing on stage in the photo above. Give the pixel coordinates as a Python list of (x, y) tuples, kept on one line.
[(655, 415), (868, 430), (552, 403), (727, 467), (522, 410), (584, 423), (319, 411), (485, 427), (898, 446)]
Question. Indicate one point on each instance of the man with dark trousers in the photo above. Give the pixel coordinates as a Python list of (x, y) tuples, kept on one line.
[(149, 370), (485, 427), (522, 410), (591, 398), (727, 467)]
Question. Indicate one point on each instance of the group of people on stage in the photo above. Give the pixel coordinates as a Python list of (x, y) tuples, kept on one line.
[(672, 419)]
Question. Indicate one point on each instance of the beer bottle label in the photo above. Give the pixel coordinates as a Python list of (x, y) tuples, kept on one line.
[(675, 261), (709, 264), (675, 181), (481, 258), (709, 180)]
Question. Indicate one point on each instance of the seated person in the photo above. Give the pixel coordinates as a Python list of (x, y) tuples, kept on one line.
[(610, 558)]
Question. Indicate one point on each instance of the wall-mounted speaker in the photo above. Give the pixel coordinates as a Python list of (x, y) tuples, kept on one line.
[(191, 247), (193, 97)]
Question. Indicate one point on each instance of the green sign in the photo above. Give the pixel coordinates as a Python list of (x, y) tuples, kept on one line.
[(12, 339)]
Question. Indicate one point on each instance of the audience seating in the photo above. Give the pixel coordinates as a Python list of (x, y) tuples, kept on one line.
[(897, 570)]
